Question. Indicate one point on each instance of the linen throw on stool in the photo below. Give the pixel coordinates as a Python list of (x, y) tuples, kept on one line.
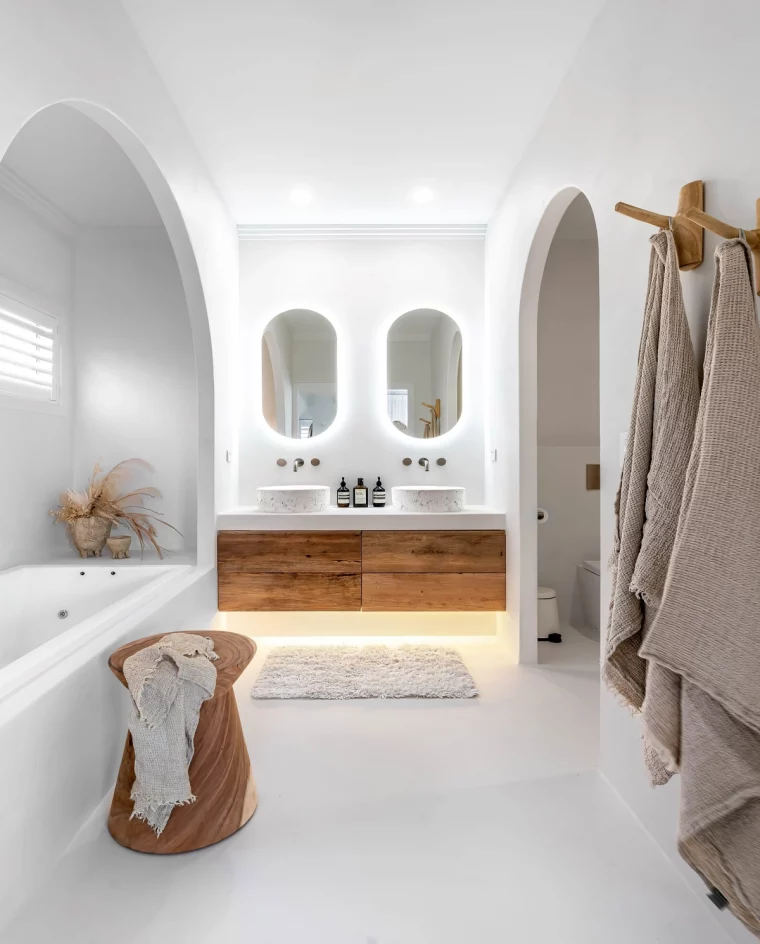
[(661, 430), (708, 627), (168, 682)]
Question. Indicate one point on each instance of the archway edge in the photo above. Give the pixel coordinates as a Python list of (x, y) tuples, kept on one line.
[(527, 603), (179, 236)]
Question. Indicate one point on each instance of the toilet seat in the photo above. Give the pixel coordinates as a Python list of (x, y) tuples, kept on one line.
[(546, 593)]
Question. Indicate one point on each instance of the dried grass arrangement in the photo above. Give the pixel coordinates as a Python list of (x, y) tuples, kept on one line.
[(105, 498)]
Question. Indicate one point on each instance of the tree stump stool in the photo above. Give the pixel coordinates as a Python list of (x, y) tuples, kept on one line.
[(220, 771)]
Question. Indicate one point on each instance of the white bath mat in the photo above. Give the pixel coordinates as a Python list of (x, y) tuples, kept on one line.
[(336, 672)]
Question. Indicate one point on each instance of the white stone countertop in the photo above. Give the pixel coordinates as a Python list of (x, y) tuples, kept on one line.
[(471, 518)]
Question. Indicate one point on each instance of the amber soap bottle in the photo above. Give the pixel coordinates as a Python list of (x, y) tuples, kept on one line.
[(361, 495)]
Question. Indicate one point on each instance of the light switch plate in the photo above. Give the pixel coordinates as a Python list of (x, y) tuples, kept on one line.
[(493, 455)]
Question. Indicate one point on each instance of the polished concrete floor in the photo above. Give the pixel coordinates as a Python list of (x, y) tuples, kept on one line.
[(401, 822)]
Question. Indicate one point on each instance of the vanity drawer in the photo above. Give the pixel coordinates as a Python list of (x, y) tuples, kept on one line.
[(248, 591), (434, 552), (289, 552), (454, 592)]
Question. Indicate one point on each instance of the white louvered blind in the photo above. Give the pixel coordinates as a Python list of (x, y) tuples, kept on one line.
[(29, 352)]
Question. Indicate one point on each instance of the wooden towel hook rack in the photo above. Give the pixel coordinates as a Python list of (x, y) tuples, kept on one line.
[(697, 215), (689, 235)]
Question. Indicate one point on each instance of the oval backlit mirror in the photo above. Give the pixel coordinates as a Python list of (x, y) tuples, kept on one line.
[(424, 384), (299, 373)]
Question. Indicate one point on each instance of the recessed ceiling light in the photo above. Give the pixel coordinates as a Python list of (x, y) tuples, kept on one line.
[(301, 196), (422, 195)]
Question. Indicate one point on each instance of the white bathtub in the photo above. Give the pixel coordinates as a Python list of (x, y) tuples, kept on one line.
[(48, 612), (63, 716)]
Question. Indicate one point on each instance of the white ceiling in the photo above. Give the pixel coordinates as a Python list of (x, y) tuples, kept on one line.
[(75, 164), (362, 100)]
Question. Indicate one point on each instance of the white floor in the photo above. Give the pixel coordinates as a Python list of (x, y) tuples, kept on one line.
[(402, 822)]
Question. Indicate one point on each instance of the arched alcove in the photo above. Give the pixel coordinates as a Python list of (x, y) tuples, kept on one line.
[(136, 351)]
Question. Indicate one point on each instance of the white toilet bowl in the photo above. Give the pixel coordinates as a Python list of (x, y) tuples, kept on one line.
[(589, 580), (548, 614)]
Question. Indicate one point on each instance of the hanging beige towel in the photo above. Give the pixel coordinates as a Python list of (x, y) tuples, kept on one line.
[(665, 404), (168, 683), (707, 629)]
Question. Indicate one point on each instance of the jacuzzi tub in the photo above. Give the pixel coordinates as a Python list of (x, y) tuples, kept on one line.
[(48, 612)]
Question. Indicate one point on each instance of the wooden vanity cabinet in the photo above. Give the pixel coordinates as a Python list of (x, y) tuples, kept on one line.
[(370, 570), (434, 570), (289, 570)]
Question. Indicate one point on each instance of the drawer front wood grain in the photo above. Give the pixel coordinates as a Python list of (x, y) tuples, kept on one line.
[(454, 592), (289, 552), (240, 591), (434, 552)]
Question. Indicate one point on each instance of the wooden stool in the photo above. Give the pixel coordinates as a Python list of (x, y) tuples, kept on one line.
[(220, 771)]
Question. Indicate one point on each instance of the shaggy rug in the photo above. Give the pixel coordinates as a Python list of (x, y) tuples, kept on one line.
[(336, 672)]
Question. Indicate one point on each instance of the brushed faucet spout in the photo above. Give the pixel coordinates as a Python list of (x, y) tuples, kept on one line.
[(426, 464), (297, 463)]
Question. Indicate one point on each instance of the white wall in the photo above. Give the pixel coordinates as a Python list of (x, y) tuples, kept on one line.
[(134, 370), (89, 53), (361, 287), (570, 534), (632, 121), (36, 268), (568, 407)]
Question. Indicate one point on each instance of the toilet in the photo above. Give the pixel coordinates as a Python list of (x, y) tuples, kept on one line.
[(589, 580), (548, 614)]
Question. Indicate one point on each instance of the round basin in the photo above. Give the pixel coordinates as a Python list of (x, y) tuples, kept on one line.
[(293, 499), (428, 499)]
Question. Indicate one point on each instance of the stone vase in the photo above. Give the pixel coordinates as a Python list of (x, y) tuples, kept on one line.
[(119, 546), (89, 535)]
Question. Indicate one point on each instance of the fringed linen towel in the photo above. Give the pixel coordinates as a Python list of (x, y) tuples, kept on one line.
[(665, 404), (168, 683), (707, 629)]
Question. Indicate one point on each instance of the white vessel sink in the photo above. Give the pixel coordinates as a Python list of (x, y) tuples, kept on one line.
[(293, 499), (431, 499)]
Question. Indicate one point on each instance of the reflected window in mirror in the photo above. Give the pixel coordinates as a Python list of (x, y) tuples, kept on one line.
[(424, 382), (299, 374)]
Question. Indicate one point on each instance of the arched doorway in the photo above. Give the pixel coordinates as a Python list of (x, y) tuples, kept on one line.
[(167, 377), (568, 539), (530, 299)]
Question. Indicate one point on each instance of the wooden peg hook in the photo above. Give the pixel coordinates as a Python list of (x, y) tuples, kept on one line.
[(698, 216), (689, 235)]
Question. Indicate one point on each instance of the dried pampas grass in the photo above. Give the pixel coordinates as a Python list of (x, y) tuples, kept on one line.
[(104, 498)]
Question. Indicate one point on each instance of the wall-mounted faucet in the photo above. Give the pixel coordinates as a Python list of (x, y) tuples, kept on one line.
[(297, 463), (426, 464)]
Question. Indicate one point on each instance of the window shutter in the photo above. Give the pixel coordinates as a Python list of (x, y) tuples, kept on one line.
[(29, 352)]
